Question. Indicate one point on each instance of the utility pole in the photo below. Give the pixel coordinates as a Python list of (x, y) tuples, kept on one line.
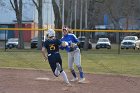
[(81, 16), (63, 20), (51, 14), (71, 17), (47, 15), (86, 14), (75, 14)]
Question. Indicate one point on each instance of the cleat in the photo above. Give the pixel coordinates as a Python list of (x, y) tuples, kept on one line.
[(74, 79), (58, 66), (69, 85), (82, 80)]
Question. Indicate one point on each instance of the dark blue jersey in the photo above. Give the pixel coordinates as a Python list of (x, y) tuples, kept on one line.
[(52, 46), (54, 57)]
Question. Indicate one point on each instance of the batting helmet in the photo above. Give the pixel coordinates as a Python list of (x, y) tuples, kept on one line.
[(50, 33)]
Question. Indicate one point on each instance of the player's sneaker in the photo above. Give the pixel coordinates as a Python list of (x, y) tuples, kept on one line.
[(82, 80), (69, 85), (58, 66), (74, 79)]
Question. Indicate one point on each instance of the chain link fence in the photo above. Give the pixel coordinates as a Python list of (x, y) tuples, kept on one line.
[(9, 42)]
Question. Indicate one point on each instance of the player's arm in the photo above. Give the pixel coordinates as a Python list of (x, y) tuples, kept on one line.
[(75, 41), (62, 44), (44, 53)]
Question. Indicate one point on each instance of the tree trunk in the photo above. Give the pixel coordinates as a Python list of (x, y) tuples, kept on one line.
[(21, 41), (17, 6), (87, 34), (40, 25), (58, 21), (39, 5)]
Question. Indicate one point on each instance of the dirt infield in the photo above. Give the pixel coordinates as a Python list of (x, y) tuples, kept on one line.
[(37, 81)]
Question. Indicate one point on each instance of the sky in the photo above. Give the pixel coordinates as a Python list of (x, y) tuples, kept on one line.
[(7, 15)]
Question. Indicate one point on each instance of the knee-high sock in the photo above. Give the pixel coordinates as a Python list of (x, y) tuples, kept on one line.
[(57, 72), (73, 73), (63, 74), (81, 72)]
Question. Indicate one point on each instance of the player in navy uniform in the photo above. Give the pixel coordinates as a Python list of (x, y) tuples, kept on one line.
[(52, 55)]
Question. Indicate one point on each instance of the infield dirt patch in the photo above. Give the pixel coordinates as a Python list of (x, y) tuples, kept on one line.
[(39, 81)]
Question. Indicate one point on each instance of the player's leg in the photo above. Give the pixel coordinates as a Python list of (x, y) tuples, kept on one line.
[(52, 63), (77, 61), (62, 72), (58, 62), (70, 65), (56, 72)]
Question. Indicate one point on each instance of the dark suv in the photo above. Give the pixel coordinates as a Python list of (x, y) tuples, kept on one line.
[(34, 42), (82, 42)]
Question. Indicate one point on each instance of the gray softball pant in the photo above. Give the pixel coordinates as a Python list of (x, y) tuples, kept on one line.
[(74, 57)]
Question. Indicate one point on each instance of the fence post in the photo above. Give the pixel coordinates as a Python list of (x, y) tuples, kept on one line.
[(5, 40), (119, 44)]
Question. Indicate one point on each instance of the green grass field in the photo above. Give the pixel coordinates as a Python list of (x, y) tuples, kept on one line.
[(92, 63)]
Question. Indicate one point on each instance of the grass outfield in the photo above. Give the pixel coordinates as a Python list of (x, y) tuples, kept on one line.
[(92, 63)]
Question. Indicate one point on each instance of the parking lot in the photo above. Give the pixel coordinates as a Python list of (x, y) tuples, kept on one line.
[(115, 49)]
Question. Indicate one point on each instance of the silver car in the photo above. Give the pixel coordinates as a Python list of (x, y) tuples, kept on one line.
[(130, 42), (103, 43), (12, 43)]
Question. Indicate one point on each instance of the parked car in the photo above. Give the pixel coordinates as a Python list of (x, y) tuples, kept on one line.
[(82, 41), (12, 43), (130, 42), (103, 43), (34, 42)]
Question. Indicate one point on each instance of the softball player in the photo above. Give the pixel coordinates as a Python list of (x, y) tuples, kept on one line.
[(74, 55), (52, 46)]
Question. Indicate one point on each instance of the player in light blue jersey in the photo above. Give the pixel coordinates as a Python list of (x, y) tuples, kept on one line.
[(74, 55)]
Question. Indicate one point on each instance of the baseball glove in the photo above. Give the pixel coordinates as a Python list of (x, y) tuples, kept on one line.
[(73, 45)]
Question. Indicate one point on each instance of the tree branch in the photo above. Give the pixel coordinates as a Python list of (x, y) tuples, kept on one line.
[(37, 7), (100, 1), (12, 5)]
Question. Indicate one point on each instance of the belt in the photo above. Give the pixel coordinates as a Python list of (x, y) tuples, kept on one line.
[(73, 49), (52, 53)]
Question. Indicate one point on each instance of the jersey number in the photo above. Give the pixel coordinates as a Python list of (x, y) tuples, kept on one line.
[(52, 47)]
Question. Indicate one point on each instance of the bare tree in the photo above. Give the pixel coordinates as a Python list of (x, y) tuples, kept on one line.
[(69, 13), (87, 34), (17, 6), (116, 12), (58, 18), (38, 4), (2, 3), (57, 14), (90, 14)]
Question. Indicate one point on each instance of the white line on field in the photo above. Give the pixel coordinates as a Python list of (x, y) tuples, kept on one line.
[(40, 78)]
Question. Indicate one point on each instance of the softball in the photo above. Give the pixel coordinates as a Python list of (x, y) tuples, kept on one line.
[(64, 44)]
